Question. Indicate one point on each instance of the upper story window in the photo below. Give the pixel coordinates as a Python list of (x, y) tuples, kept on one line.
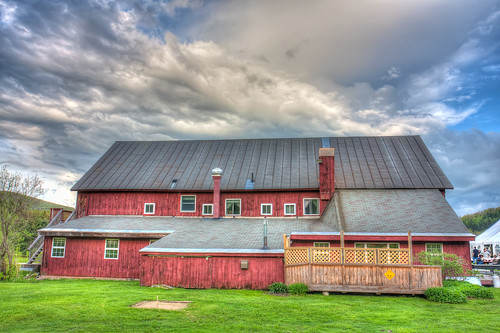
[(321, 244), (266, 209), (58, 247), (434, 247), (233, 206), (311, 206), (376, 245), (111, 249), (149, 208), (208, 209), (188, 203), (290, 209)]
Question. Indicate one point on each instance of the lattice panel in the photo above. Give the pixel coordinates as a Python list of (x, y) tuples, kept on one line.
[(358, 256), (335, 256), (296, 256), (320, 256), (398, 257)]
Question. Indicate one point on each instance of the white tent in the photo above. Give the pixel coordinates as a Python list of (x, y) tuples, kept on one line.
[(489, 238)]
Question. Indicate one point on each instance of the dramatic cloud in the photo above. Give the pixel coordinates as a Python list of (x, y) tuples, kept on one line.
[(77, 76)]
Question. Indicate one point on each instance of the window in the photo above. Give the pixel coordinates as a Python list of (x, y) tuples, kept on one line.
[(377, 245), (58, 247), (266, 209), (111, 249), (149, 208), (311, 206), (321, 244), (289, 209), (188, 203), (233, 206), (208, 209), (434, 247)]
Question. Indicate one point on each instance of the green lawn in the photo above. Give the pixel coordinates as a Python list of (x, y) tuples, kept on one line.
[(92, 305)]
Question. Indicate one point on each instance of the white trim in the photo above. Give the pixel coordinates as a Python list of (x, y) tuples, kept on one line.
[(117, 249), (225, 207), (385, 243), (154, 208), (304, 205), (434, 244), (58, 247), (188, 211), (207, 205), (266, 204), (294, 209)]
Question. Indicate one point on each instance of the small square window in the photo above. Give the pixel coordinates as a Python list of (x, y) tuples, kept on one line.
[(149, 208), (233, 206), (266, 209), (311, 206), (321, 244), (58, 247), (290, 209), (111, 249), (434, 247), (208, 209), (188, 203)]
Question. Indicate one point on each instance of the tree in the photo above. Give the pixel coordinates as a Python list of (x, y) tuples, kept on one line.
[(16, 193)]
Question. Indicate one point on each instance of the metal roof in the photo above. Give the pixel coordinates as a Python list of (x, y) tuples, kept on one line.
[(276, 164)]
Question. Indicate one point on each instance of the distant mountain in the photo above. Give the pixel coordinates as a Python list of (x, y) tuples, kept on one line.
[(479, 222), (39, 204)]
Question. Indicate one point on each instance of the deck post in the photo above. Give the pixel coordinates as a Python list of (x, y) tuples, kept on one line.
[(410, 247)]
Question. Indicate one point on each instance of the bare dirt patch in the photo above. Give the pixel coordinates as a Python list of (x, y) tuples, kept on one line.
[(162, 305)]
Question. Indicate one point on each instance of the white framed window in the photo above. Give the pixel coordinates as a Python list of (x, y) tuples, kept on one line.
[(149, 208), (111, 249), (376, 245), (321, 244), (208, 209), (188, 203), (289, 209), (233, 206), (266, 209), (311, 206), (434, 247), (58, 247)]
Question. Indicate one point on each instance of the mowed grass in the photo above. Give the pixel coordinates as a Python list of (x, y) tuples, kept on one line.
[(98, 305)]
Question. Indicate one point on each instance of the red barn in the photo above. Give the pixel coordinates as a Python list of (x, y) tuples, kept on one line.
[(212, 213)]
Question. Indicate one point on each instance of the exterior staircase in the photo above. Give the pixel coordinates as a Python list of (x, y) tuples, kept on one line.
[(36, 248)]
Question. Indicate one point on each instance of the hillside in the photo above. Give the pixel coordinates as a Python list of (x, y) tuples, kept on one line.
[(478, 222), (39, 204)]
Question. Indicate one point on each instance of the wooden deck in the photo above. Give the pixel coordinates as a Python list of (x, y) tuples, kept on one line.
[(361, 270)]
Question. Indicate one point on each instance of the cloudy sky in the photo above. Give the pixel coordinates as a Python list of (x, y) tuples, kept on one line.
[(75, 76)]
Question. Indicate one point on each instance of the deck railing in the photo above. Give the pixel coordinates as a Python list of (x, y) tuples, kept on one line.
[(343, 255)]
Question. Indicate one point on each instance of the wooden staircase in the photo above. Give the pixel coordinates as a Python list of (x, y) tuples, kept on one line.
[(36, 248)]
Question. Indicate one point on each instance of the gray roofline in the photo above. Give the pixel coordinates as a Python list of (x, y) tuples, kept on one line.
[(433, 234), (180, 250), (125, 231)]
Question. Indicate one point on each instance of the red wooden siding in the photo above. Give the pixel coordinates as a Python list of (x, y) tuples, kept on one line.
[(220, 271), (85, 257), (168, 203), (460, 248)]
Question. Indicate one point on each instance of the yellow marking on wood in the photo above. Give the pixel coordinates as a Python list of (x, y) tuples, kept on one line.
[(389, 274)]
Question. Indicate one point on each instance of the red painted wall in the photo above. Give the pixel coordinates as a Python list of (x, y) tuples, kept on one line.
[(85, 257), (219, 271), (168, 203), (459, 248)]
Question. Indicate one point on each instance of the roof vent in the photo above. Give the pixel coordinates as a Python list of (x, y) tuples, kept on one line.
[(216, 172), (174, 183)]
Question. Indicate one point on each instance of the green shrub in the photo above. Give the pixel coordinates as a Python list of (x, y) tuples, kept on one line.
[(468, 289), (278, 288), (298, 289), (445, 295), (451, 264)]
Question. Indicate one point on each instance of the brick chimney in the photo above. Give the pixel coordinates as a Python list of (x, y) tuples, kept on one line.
[(326, 173), (216, 175)]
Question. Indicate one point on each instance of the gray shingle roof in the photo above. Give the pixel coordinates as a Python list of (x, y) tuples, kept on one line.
[(193, 233), (397, 211), (280, 164)]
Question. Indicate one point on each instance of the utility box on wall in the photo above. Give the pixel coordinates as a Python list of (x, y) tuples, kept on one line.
[(244, 264)]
